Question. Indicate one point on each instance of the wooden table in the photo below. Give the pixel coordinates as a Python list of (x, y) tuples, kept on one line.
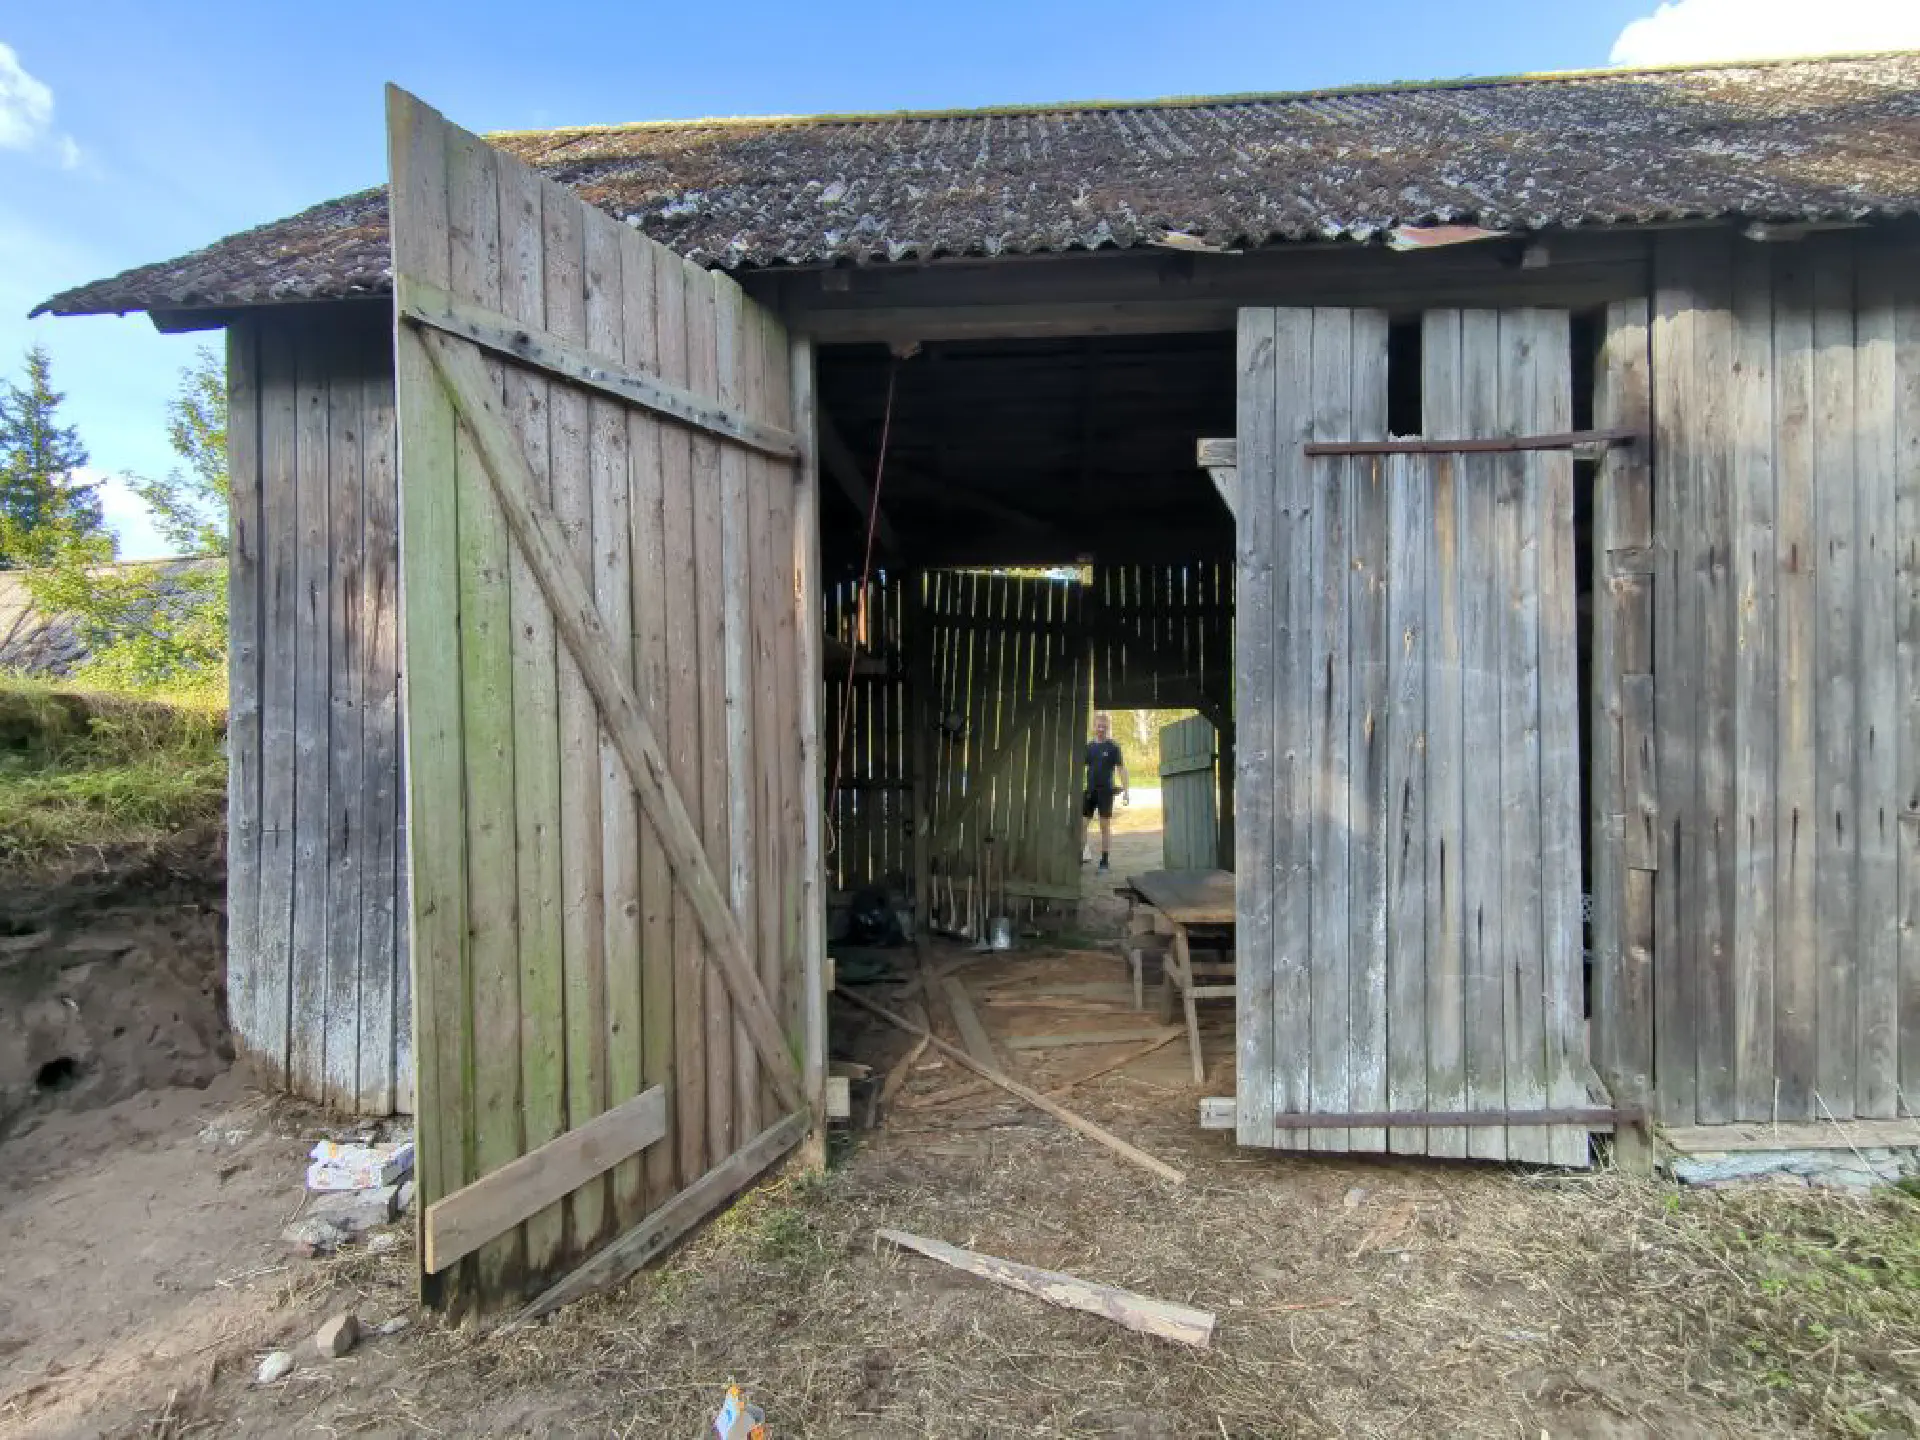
[(1189, 900)]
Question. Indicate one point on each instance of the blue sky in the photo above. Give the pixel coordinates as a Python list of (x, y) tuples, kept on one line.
[(132, 132)]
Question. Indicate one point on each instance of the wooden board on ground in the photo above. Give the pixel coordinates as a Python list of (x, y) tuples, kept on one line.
[(1180, 1323), (1060, 1038), (1816, 1135), (1189, 897)]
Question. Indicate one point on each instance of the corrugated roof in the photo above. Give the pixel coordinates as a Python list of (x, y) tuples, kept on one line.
[(1813, 139)]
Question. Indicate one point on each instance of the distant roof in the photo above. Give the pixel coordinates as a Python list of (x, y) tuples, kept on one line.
[(51, 646), (1824, 139)]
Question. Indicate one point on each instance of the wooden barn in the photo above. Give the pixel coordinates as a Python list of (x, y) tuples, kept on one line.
[(647, 535)]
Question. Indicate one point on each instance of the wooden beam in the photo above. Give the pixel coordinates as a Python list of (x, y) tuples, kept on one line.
[(839, 463), (1180, 1323), (577, 619), (813, 777), (653, 1235), (960, 1006), (1078, 1124), (428, 304), (471, 1216), (1062, 1038)]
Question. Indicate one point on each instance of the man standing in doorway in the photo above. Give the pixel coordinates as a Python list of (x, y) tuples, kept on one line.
[(1103, 765)]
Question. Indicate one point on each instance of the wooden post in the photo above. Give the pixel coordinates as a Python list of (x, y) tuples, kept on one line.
[(813, 780), (1624, 816)]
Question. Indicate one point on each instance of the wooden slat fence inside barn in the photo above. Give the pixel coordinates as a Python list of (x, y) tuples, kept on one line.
[(1163, 637), (1409, 746), (611, 739), (870, 816), (1190, 826), (1011, 693)]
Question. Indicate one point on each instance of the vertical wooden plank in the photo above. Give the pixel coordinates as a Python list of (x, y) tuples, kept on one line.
[(431, 683), (246, 660), (307, 953), (1877, 1069), (610, 466), (767, 776), (1905, 295), (791, 609), (1294, 933), (732, 359), (1563, 1019), (1403, 731), (1444, 399), (806, 591), (1520, 537), (1837, 669), (582, 1033), (345, 837), (1677, 673), (1623, 1016), (1256, 878), (1755, 675), (681, 578), (1328, 680), (1797, 942), (649, 444), (1487, 560), (511, 1099), (1708, 422), (383, 958), (1371, 647), (709, 594)]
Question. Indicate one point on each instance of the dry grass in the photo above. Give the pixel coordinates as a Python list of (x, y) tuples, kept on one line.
[(1440, 1300)]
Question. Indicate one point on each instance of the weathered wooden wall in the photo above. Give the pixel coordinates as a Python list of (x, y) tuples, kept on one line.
[(1786, 403), (317, 977)]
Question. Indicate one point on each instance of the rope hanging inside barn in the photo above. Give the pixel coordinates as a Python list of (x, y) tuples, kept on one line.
[(860, 611)]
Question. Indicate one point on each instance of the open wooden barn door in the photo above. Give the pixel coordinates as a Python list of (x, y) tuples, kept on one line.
[(1409, 798), (611, 726)]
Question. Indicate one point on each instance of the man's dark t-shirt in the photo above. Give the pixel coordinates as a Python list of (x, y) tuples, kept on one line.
[(1103, 758)]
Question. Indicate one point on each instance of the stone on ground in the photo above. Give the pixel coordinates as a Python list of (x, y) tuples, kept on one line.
[(338, 1335), (275, 1367)]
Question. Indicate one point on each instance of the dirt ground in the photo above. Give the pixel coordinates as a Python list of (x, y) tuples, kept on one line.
[(140, 1281)]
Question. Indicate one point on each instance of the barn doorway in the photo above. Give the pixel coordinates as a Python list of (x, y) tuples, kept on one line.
[(1044, 546)]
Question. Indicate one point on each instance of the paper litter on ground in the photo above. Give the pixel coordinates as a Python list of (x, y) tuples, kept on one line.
[(357, 1167)]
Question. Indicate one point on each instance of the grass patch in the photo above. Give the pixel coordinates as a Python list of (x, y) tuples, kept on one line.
[(1817, 1299), (80, 770)]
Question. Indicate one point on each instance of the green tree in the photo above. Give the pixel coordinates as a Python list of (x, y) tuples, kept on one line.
[(159, 626), (190, 506), (43, 503)]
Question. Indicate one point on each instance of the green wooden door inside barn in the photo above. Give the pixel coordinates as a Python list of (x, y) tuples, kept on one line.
[(1190, 824), (1409, 867), (614, 868)]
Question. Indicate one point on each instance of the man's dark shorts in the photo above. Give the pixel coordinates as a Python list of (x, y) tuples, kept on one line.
[(1097, 802)]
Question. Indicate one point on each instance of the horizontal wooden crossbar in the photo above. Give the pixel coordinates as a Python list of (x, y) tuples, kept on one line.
[(495, 1203), (427, 304)]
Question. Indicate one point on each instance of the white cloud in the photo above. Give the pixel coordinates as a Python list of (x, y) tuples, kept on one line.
[(26, 113), (26, 104), (1682, 32), (126, 515)]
